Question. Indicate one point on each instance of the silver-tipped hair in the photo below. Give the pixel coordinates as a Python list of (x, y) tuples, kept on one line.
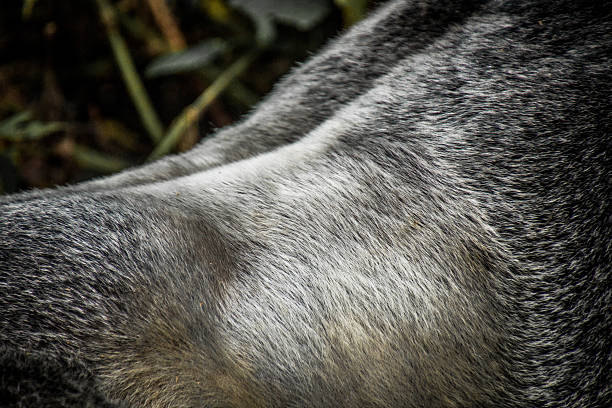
[(419, 216)]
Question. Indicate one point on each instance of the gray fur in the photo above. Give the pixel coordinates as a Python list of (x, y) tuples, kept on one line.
[(418, 216)]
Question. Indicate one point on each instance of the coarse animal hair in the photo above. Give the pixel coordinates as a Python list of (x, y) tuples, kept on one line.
[(419, 216)]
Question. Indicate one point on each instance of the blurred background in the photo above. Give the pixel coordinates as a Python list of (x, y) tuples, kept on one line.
[(90, 87)]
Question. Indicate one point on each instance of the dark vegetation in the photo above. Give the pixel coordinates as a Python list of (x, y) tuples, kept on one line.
[(90, 87)]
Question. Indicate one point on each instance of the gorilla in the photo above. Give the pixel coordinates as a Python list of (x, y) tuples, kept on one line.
[(418, 216)]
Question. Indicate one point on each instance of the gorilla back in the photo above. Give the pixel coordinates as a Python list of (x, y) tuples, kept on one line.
[(419, 216)]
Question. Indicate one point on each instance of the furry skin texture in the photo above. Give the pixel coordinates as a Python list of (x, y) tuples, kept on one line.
[(418, 216), (35, 380)]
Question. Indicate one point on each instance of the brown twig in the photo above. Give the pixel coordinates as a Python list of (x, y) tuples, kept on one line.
[(167, 24)]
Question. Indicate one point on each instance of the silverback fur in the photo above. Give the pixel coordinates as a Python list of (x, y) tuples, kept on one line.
[(418, 216)]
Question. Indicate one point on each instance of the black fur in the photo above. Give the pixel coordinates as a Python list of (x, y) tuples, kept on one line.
[(35, 380)]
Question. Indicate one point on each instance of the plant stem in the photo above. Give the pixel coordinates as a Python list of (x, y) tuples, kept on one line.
[(92, 159), (236, 91), (134, 85), (190, 114), (167, 24)]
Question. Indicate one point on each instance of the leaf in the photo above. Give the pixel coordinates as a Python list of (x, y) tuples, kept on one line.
[(191, 59), (20, 127), (302, 14), (94, 160)]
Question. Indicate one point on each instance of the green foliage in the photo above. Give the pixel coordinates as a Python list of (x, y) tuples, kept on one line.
[(162, 78), (191, 59), (21, 126), (302, 14)]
